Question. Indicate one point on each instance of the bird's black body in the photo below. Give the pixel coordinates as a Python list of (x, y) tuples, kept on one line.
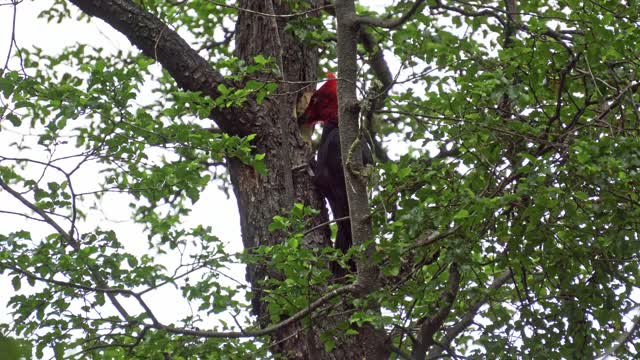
[(330, 181)]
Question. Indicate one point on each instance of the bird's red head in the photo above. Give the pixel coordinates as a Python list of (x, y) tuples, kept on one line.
[(323, 107)]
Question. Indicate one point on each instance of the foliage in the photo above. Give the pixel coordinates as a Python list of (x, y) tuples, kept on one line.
[(505, 219)]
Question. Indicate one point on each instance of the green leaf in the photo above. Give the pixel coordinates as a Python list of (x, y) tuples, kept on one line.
[(261, 60), (222, 88), (14, 119), (7, 85), (461, 214), (293, 243), (278, 223), (16, 283)]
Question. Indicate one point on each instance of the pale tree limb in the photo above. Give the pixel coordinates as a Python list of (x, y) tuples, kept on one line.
[(271, 14), (467, 319), (623, 339), (356, 184), (352, 288), (432, 324)]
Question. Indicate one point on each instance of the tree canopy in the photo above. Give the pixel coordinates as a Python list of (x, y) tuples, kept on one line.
[(498, 221)]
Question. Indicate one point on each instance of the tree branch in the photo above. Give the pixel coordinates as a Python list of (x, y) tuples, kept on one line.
[(70, 241), (432, 324), (485, 12), (272, 15), (267, 330), (156, 40), (467, 318), (326, 223), (622, 340), (202, 333), (356, 185), (431, 238), (381, 70), (633, 87), (67, 284), (390, 23), (349, 110)]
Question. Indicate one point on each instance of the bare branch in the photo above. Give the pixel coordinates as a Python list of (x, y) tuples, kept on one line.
[(12, 41), (326, 223), (633, 87), (433, 237), (485, 12)]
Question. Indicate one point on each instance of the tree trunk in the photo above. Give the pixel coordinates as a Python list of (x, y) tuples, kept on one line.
[(262, 197)]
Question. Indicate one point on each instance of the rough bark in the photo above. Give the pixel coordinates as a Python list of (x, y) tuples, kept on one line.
[(259, 197), (355, 179)]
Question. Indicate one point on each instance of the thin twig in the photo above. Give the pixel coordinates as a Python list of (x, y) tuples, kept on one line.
[(324, 224), (267, 330), (282, 16)]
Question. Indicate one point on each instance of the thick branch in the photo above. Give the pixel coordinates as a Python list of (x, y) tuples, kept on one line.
[(349, 111), (432, 324), (356, 183), (376, 59), (156, 40), (381, 70)]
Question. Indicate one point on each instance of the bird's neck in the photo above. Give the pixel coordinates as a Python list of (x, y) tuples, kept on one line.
[(329, 125), (332, 123), (328, 129)]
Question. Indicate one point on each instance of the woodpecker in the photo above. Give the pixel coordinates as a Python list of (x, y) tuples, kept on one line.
[(329, 173)]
